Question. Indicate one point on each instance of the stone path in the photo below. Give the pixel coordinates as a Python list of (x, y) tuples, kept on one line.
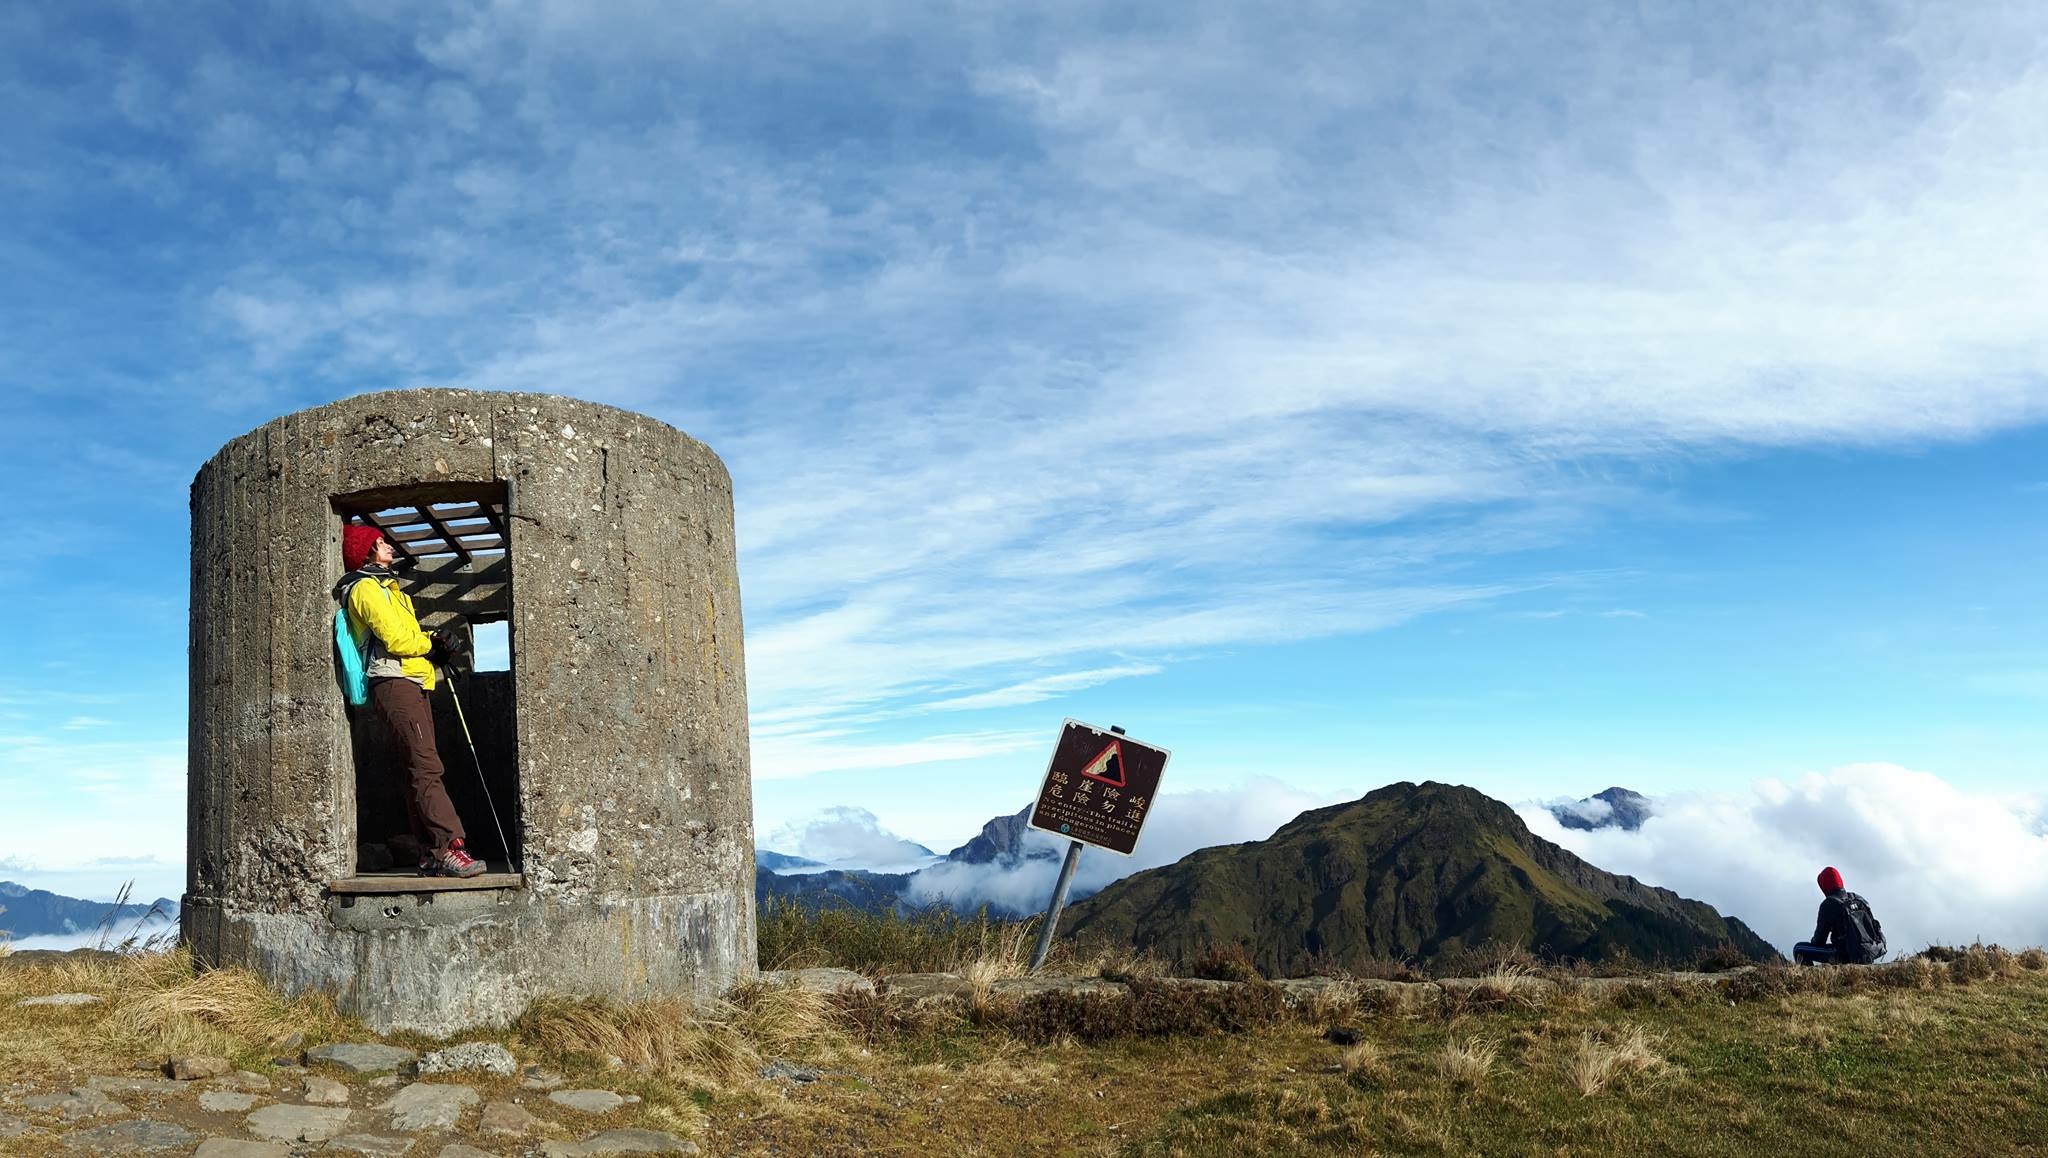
[(209, 1109)]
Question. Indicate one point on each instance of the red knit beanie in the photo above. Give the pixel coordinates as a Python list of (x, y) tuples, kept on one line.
[(356, 542), (1830, 879)]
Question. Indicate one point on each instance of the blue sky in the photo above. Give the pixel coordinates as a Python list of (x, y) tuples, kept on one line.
[(1331, 393)]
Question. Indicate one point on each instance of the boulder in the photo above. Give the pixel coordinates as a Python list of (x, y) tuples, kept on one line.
[(378, 1145), (325, 1091), (80, 1103), (429, 1106), (144, 1086), (621, 1142), (236, 1148), (298, 1123), (926, 990), (590, 1101), (779, 1070), (138, 1136), (362, 1057), (190, 1067), (826, 981), (471, 1057), (60, 1000), (1310, 992), (508, 1118), (1016, 988)]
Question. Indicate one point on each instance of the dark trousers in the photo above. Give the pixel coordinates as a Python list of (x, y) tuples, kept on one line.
[(403, 704), (1808, 953)]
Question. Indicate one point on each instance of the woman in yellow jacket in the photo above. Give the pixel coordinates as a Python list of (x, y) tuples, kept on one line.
[(400, 661)]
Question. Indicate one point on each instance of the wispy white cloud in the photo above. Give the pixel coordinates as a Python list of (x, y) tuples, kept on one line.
[(1038, 342), (847, 837), (1042, 688), (778, 757)]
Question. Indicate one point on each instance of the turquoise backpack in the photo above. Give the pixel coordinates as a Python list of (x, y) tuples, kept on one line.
[(352, 659)]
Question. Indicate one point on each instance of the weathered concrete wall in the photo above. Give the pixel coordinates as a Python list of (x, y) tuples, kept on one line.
[(630, 704)]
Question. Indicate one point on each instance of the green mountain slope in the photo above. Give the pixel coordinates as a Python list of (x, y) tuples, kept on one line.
[(1411, 871)]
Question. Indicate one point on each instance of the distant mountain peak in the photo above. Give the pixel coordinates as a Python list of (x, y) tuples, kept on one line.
[(1408, 871), (1610, 808), (38, 913), (1005, 841), (776, 862)]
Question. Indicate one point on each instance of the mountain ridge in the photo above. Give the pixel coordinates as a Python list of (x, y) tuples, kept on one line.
[(1408, 871), (27, 912)]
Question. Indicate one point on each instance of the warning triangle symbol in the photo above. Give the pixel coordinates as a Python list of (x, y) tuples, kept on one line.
[(1108, 766)]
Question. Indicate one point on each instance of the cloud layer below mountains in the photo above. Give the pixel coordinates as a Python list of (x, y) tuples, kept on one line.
[(1179, 824), (1938, 863)]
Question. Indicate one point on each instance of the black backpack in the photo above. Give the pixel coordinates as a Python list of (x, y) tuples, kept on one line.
[(1869, 933)]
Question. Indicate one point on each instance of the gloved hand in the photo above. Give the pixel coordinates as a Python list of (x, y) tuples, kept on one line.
[(451, 649)]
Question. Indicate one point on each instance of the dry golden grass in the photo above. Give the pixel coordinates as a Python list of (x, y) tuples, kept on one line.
[(1943, 1069), (1514, 982), (154, 1004), (711, 1046), (1333, 1004), (1598, 1061), (1366, 1058), (1467, 1063)]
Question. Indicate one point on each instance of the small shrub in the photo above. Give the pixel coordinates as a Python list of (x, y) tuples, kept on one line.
[(1487, 958), (1148, 1009), (1767, 982), (1224, 963), (2033, 960), (1968, 967), (1720, 959), (1911, 973)]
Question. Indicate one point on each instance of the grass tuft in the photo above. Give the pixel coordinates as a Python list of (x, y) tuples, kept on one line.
[(1227, 962), (1467, 1063), (1599, 1061)]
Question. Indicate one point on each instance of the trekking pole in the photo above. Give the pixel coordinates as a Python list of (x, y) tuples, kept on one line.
[(477, 762)]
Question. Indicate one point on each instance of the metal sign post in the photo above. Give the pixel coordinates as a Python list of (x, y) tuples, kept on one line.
[(1098, 790), (1059, 900)]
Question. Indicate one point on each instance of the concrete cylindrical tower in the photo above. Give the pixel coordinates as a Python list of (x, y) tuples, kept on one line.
[(614, 747)]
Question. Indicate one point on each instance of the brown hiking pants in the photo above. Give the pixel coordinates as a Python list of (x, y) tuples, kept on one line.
[(403, 704)]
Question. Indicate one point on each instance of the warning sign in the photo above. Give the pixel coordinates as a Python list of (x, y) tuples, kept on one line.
[(1098, 787), (1108, 766)]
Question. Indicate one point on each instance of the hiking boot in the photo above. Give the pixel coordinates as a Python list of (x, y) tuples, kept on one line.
[(454, 862)]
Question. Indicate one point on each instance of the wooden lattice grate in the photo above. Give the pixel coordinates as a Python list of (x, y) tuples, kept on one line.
[(470, 531)]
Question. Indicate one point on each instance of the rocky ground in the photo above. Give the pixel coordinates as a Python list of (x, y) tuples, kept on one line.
[(343, 1098)]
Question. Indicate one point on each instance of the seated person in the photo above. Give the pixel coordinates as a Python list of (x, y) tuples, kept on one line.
[(1847, 932)]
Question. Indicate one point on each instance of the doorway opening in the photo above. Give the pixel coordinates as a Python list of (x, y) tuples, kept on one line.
[(453, 542)]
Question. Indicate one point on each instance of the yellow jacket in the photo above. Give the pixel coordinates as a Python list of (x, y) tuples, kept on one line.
[(381, 613)]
